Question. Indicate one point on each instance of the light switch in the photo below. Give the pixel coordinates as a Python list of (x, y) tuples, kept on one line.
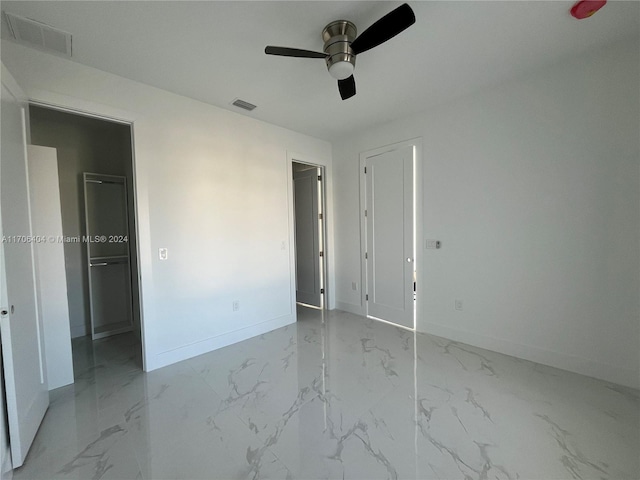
[(163, 253)]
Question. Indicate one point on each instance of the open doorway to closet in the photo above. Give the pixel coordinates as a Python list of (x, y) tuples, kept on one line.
[(95, 174), (310, 240)]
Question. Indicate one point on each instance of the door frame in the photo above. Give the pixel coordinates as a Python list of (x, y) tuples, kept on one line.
[(134, 186), (323, 205), (418, 246), (315, 173)]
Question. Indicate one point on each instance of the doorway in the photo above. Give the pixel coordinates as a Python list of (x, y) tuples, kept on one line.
[(388, 225), (309, 234), (97, 201)]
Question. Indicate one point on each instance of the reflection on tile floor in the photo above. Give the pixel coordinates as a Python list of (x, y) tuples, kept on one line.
[(334, 396)]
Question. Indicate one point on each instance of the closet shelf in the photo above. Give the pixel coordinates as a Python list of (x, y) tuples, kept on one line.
[(110, 295), (108, 260)]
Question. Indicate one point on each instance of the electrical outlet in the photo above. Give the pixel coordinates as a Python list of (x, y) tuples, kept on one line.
[(458, 304), (163, 253), (236, 305), (354, 286)]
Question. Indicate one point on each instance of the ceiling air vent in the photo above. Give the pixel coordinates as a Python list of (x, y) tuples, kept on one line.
[(38, 34), (242, 104)]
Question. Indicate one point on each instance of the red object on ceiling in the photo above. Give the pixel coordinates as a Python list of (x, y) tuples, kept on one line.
[(586, 8)]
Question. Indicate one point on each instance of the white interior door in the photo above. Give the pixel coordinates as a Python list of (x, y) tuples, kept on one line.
[(46, 221), (389, 236), (308, 271), (26, 389)]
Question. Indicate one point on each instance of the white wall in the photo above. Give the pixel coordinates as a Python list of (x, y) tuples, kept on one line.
[(211, 187), (533, 189)]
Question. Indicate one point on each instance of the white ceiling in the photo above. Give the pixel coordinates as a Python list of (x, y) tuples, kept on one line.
[(214, 51)]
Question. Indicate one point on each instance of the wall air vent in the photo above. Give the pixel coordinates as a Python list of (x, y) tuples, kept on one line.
[(242, 104), (40, 35)]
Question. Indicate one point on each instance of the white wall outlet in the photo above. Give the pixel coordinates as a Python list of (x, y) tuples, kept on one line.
[(283, 246), (236, 305), (354, 286), (458, 304), (163, 253)]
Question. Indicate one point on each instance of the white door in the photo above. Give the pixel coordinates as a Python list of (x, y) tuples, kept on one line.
[(46, 221), (308, 271), (389, 236), (27, 395)]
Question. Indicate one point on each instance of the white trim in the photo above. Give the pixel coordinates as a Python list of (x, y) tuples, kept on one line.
[(292, 237), (79, 106), (324, 297), (572, 363), (207, 345), (391, 323), (363, 235), (351, 308), (328, 283), (79, 331), (63, 103), (60, 108)]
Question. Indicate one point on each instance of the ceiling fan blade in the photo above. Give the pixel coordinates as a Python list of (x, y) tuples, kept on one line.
[(293, 52), (384, 29), (347, 87)]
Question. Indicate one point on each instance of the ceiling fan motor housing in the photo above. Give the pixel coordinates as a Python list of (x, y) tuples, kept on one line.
[(337, 37)]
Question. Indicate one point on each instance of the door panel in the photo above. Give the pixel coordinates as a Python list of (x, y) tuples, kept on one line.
[(46, 220), (27, 395), (308, 284), (389, 242)]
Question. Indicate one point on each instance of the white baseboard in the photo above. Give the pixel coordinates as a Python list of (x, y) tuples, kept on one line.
[(185, 352), (350, 307), (572, 363), (79, 331), (6, 472)]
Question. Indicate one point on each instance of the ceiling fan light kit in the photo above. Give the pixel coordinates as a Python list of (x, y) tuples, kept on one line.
[(341, 45), (338, 37)]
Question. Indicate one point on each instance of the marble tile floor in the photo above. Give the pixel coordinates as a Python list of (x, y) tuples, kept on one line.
[(335, 396)]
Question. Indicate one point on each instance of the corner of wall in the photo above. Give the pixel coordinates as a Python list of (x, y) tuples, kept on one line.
[(350, 307)]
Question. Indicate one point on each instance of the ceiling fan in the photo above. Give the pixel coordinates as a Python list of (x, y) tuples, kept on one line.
[(341, 46)]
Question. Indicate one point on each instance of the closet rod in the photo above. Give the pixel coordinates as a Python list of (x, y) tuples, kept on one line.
[(104, 181), (104, 264)]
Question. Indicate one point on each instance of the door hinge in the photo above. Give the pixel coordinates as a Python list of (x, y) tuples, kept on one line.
[(322, 254), (322, 291), (366, 297), (319, 178), (320, 216), (365, 213), (366, 255), (365, 170)]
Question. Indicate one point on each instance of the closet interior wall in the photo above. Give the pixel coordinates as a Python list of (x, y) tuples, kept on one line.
[(85, 144)]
